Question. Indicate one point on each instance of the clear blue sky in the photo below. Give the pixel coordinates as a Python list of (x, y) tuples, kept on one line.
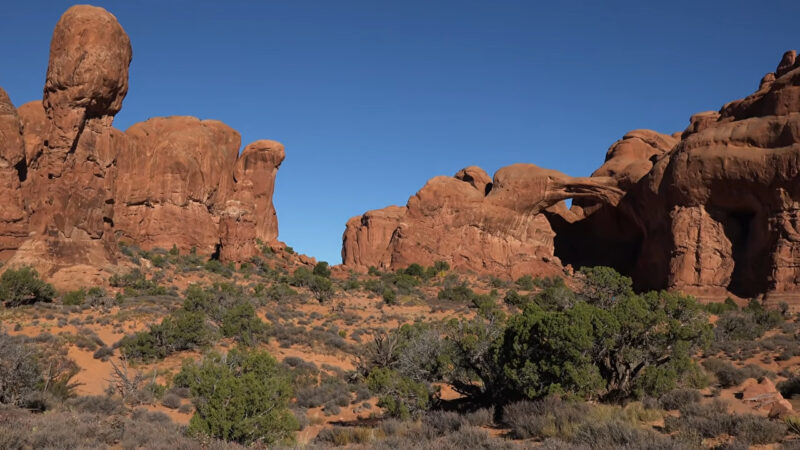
[(372, 98)]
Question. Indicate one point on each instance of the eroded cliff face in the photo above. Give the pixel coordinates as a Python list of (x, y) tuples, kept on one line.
[(73, 185), (475, 224), (710, 210), (71, 164), (726, 197), (13, 170)]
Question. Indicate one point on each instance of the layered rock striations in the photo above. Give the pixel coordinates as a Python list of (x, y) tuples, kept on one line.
[(73, 185), (711, 210)]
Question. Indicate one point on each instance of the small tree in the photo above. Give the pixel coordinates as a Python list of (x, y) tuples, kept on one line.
[(321, 288), (400, 395), (242, 323), (322, 269), (241, 397), (611, 343), (23, 287)]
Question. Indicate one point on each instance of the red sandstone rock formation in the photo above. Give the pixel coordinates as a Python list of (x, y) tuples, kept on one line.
[(167, 181), (178, 171), (722, 207), (13, 170), (474, 224), (710, 210), (249, 217), (71, 171)]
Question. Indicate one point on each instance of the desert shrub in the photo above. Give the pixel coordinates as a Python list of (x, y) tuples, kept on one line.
[(22, 430), (330, 390), (331, 409), (181, 330), (547, 417), (759, 430), (297, 362), (722, 307), (414, 270), (399, 395), (389, 296), (483, 417), (97, 296), (228, 308), (97, 404), (737, 326), (470, 438), (554, 294), (514, 298), (486, 304), (340, 436), (103, 352), (215, 266), (242, 397), (405, 284), (603, 286), (156, 431), (439, 267), (24, 287), (712, 420), (171, 401), (678, 398), (20, 374), (767, 318), (351, 284), (458, 293), (321, 288), (280, 292), (616, 434), (301, 277), (321, 269), (417, 351), (374, 286), (468, 354), (241, 322), (136, 283), (443, 422), (77, 297), (31, 375), (729, 375), (525, 283), (592, 351), (792, 424)]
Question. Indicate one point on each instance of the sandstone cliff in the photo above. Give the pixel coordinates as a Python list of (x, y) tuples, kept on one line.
[(73, 185), (711, 210)]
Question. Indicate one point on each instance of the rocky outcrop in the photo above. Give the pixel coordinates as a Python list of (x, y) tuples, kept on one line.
[(249, 218), (73, 185), (721, 209), (178, 171), (764, 396), (71, 169), (13, 171), (632, 157), (474, 224), (182, 170), (712, 210)]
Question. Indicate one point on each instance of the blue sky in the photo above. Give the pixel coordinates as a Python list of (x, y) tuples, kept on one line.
[(372, 98)]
